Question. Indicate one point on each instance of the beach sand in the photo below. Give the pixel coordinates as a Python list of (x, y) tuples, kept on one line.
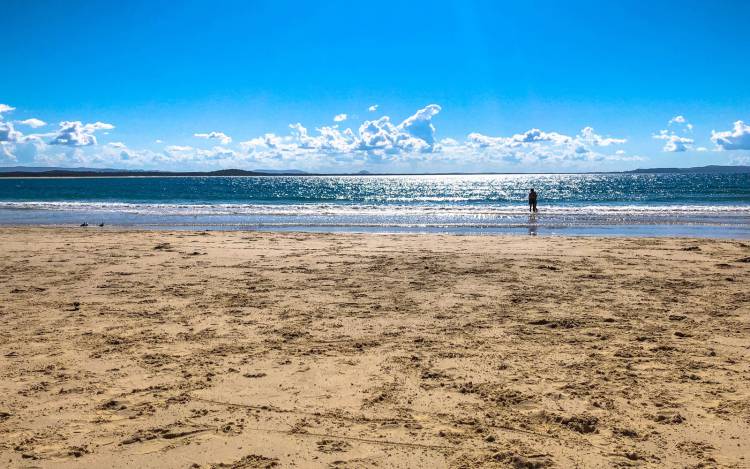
[(251, 349)]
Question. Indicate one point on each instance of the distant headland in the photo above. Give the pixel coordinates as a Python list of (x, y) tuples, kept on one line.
[(712, 169)]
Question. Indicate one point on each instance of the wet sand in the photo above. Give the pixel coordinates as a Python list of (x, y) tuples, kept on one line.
[(249, 349)]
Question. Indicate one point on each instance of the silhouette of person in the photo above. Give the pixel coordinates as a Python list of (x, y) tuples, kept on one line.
[(532, 201)]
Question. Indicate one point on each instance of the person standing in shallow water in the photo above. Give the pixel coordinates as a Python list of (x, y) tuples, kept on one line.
[(532, 201)]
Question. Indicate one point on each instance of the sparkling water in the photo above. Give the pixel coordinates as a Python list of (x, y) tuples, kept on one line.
[(630, 204)]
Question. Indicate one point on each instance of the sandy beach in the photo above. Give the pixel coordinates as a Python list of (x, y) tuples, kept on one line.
[(251, 349)]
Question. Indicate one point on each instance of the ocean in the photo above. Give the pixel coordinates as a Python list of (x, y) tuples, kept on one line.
[(702, 205)]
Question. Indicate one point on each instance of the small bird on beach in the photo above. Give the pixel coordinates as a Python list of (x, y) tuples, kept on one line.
[(84, 224), (101, 224)]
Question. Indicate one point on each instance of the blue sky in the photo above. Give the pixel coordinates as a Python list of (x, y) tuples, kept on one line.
[(465, 86)]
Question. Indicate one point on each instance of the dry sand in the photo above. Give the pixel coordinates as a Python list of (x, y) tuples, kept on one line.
[(247, 349)]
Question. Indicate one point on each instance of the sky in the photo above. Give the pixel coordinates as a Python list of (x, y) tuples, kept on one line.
[(340, 86)]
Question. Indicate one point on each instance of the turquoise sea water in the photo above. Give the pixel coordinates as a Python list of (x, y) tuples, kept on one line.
[(645, 204)]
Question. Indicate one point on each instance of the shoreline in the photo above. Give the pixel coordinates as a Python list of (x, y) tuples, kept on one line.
[(172, 349), (248, 229), (633, 230)]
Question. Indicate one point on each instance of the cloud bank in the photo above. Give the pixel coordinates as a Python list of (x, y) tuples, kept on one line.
[(412, 144), (412, 141)]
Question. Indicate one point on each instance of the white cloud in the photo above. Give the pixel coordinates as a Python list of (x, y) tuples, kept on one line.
[(9, 136), (674, 143), (217, 153), (330, 139), (117, 145), (414, 135), (5, 153), (621, 157), (420, 124), (588, 135), (8, 133), (531, 136), (375, 140), (178, 148), (585, 142), (33, 123), (187, 154), (274, 142), (449, 142), (27, 148), (339, 117), (158, 141), (677, 120), (378, 135), (537, 146), (77, 134), (681, 123), (736, 139), (220, 136), (373, 108)]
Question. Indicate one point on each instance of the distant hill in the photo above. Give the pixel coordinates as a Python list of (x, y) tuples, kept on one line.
[(31, 171), (712, 169), (87, 172), (42, 169)]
